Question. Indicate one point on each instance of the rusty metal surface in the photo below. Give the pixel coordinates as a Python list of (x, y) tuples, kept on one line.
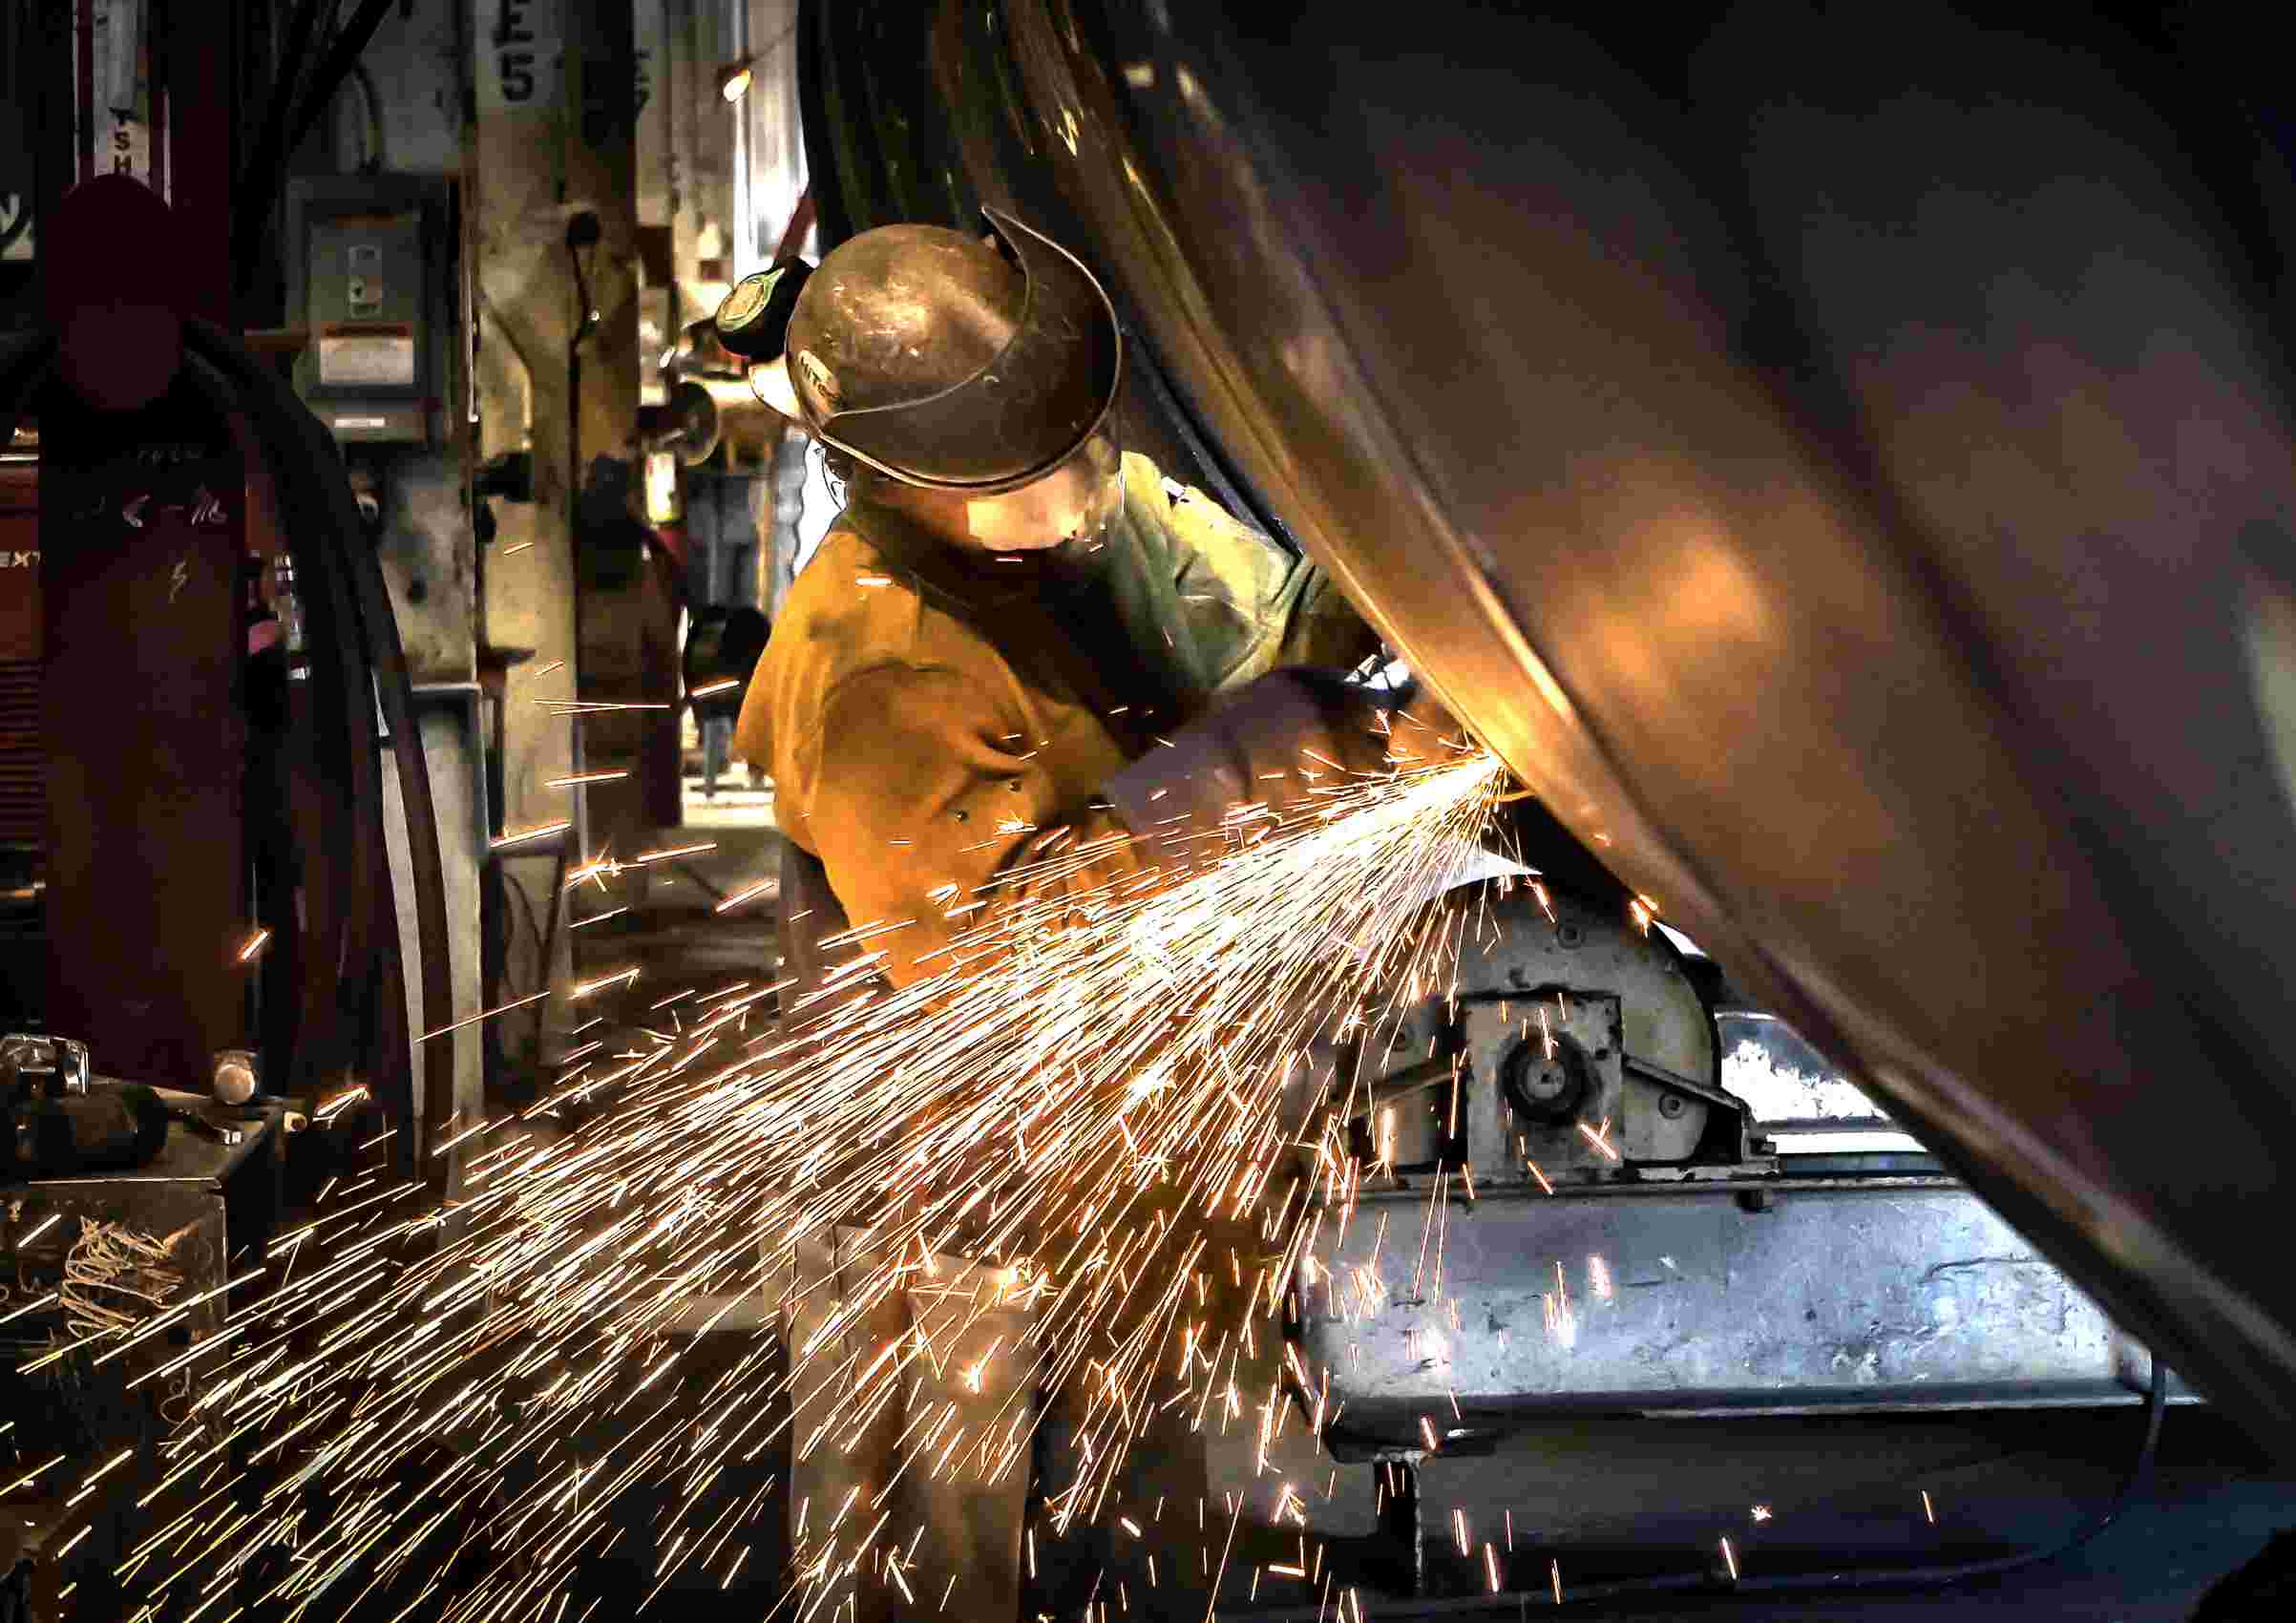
[(1855, 509)]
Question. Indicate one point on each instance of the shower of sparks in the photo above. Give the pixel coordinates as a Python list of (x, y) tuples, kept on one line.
[(1761, 1512), (1929, 1509), (586, 988), (1730, 1559), (580, 778), (335, 1103), (255, 945), (769, 886), (723, 685), (1052, 1121), (1562, 1322), (540, 831), (490, 1014)]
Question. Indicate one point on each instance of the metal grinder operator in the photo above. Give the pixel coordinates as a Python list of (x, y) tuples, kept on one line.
[(1009, 620)]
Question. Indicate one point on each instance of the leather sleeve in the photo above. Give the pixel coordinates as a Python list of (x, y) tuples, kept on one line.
[(933, 824), (1254, 605)]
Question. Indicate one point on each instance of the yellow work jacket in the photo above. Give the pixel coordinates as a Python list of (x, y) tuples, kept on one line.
[(932, 716)]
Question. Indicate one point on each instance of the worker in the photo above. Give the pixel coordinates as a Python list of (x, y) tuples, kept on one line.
[(1015, 628)]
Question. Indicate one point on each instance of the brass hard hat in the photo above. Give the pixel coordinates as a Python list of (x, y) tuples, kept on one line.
[(940, 361)]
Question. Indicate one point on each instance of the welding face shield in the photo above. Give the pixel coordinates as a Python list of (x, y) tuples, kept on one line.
[(1073, 505), (952, 363)]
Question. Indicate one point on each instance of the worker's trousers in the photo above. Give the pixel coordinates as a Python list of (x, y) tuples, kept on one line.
[(906, 1498)]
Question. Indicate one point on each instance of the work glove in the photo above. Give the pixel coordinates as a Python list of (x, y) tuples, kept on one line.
[(1272, 740)]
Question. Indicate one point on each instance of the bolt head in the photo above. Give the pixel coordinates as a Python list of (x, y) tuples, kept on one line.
[(234, 1078)]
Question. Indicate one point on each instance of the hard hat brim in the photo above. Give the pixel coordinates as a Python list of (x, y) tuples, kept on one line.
[(769, 381)]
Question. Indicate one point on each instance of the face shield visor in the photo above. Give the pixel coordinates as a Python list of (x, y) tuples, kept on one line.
[(1073, 506)]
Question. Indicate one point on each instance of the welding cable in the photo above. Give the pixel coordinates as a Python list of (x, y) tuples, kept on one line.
[(261, 177), (289, 121), (339, 918), (1849, 1576), (317, 510), (338, 66)]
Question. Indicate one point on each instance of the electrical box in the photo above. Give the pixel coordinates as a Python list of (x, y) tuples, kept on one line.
[(368, 278)]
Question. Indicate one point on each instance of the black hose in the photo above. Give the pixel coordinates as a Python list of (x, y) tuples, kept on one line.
[(342, 57), (302, 448), (286, 128), (259, 182), (344, 756), (375, 627)]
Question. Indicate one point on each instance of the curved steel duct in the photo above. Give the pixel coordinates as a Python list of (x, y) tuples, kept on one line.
[(1841, 463)]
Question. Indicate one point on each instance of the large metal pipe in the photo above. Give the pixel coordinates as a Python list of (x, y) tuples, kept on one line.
[(1840, 467)]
